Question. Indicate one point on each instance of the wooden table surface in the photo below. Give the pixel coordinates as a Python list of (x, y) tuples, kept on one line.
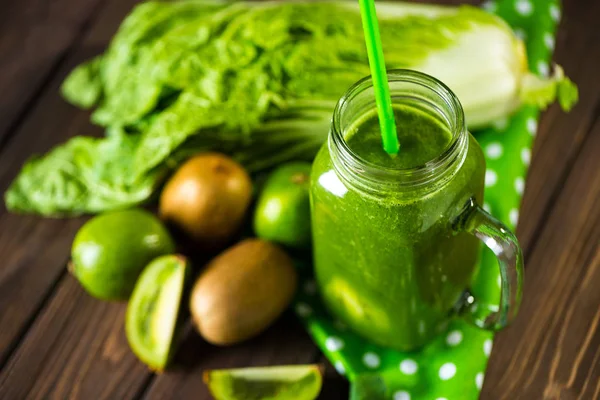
[(58, 342)]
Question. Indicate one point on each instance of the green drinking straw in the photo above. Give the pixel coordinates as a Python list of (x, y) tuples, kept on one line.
[(379, 76)]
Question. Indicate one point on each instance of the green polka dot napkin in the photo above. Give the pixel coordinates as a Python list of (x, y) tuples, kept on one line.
[(453, 366)]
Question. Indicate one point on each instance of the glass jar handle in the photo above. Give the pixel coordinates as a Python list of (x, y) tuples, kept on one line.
[(498, 238)]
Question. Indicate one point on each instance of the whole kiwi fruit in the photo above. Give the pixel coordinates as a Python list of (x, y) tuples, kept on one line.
[(242, 291), (207, 199)]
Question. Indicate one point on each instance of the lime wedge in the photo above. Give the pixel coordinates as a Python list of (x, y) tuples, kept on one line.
[(154, 308), (293, 382)]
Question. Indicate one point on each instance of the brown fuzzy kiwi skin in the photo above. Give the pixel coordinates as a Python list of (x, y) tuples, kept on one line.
[(207, 199), (242, 292)]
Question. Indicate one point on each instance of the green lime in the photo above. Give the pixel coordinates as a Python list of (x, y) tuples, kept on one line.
[(154, 308), (292, 382), (283, 210), (110, 251)]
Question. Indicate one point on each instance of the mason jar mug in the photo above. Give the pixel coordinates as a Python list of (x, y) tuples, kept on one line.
[(396, 239)]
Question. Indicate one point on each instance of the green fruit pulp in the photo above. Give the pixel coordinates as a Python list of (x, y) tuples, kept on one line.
[(283, 208), (294, 382), (110, 251), (153, 310)]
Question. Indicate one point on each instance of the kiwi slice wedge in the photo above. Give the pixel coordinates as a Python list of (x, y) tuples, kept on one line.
[(153, 310), (292, 382)]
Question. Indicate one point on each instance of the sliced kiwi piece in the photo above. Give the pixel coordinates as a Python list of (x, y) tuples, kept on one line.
[(291, 382), (154, 308)]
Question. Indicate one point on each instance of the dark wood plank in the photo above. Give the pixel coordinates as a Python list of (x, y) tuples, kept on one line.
[(35, 35), (75, 349), (284, 343), (34, 250), (34, 254), (553, 349), (561, 135)]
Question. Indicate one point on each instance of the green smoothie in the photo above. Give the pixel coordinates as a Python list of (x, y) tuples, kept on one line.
[(388, 261), (421, 137)]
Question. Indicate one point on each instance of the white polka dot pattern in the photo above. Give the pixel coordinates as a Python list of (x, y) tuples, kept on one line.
[(490, 178), (402, 395), (447, 371), (487, 347), (543, 68), (489, 6), (479, 380), (494, 150), (334, 343), (454, 338), (532, 126), (524, 7), (555, 12), (526, 156), (501, 124), (339, 367), (519, 185), (513, 216), (549, 41), (371, 360), (408, 366)]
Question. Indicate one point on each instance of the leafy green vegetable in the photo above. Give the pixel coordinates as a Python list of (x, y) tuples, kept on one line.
[(83, 86), (258, 81), (85, 175), (542, 92), (90, 175)]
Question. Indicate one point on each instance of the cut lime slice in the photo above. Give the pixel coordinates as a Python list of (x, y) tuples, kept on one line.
[(153, 310), (293, 382)]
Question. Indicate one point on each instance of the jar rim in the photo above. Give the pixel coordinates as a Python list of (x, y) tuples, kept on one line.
[(420, 174)]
